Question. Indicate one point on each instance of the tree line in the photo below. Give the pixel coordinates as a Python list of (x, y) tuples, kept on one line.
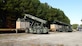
[(75, 26), (10, 10)]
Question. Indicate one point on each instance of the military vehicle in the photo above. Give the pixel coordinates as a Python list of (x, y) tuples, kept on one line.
[(61, 27), (34, 24)]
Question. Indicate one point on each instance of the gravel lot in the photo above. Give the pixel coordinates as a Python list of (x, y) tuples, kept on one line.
[(52, 39)]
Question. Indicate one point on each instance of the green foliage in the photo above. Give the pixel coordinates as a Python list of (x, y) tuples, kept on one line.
[(74, 26), (10, 10), (80, 24)]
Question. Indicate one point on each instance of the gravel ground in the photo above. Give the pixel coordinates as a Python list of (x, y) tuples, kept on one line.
[(52, 39)]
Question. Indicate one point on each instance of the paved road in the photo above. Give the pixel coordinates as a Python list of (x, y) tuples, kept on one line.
[(52, 39)]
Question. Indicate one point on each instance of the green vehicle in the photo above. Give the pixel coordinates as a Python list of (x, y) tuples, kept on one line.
[(62, 27), (37, 25)]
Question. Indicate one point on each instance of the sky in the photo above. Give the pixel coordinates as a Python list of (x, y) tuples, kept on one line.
[(71, 8)]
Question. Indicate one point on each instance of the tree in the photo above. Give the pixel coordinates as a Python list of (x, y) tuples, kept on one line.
[(74, 26), (10, 10), (80, 24)]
